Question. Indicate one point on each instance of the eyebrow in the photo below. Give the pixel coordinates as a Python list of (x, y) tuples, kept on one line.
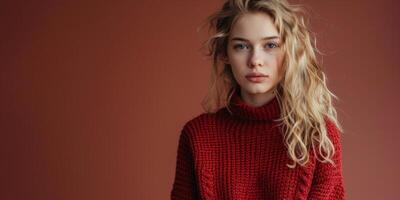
[(265, 38)]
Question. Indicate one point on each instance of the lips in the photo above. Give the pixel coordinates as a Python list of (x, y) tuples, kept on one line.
[(256, 74), (256, 77)]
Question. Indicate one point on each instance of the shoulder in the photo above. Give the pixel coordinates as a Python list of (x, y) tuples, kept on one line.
[(332, 130), (334, 134), (203, 123)]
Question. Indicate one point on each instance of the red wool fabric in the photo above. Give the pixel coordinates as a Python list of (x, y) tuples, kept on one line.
[(241, 155)]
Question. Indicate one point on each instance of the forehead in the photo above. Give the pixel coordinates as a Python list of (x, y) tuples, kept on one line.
[(254, 26)]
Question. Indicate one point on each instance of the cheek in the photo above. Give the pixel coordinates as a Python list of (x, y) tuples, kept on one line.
[(238, 65), (278, 64), (238, 72), (279, 74), (238, 59), (274, 58)]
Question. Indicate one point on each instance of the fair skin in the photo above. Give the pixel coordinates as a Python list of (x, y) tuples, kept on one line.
[(254, 46)]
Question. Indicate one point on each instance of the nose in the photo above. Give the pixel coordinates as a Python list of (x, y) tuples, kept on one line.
[(256, 58)]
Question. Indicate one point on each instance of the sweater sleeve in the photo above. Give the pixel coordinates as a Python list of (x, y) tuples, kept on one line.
[(184, 185), (328, 182)]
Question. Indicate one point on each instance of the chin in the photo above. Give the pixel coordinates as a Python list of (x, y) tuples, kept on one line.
[(256, 90)]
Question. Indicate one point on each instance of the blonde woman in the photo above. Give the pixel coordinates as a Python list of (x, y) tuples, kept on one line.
[(270, 130)]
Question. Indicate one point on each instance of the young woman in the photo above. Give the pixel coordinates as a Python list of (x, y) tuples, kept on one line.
[(270, 130)]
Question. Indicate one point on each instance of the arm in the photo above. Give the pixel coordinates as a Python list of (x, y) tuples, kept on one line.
[(327, 182), (184, 186)]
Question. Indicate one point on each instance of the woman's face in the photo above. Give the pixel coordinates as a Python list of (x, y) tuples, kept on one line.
[(254, 53)]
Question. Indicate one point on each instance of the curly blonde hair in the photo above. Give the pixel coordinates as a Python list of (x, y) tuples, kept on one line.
[(305, 100)]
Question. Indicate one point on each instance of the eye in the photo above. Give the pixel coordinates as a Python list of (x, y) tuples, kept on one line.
[(272, 45), (240, 46)]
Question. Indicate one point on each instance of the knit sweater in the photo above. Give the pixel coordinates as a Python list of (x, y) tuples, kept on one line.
[(241, 155)]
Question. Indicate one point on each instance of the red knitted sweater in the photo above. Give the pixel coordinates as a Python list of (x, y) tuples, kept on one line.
[(242, 156)]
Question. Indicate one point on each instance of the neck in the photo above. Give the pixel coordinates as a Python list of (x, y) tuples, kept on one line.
[(266, 112), (257, 100)]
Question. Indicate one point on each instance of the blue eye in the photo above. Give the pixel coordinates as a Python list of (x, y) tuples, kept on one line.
[(272, 45), (240, 46)]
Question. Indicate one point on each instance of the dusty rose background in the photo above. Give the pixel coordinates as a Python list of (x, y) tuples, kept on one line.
[(94, 94)]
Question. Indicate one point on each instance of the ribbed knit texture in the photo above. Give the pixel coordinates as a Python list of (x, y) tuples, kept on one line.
[(242, 156)]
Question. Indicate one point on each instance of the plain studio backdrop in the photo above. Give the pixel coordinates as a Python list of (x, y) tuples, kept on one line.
[(94, 94)]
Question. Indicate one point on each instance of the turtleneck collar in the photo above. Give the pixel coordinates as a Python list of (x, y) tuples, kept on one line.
[(241, 109)]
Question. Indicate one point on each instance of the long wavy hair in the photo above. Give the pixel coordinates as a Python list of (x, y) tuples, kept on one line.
[(303, 96)]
